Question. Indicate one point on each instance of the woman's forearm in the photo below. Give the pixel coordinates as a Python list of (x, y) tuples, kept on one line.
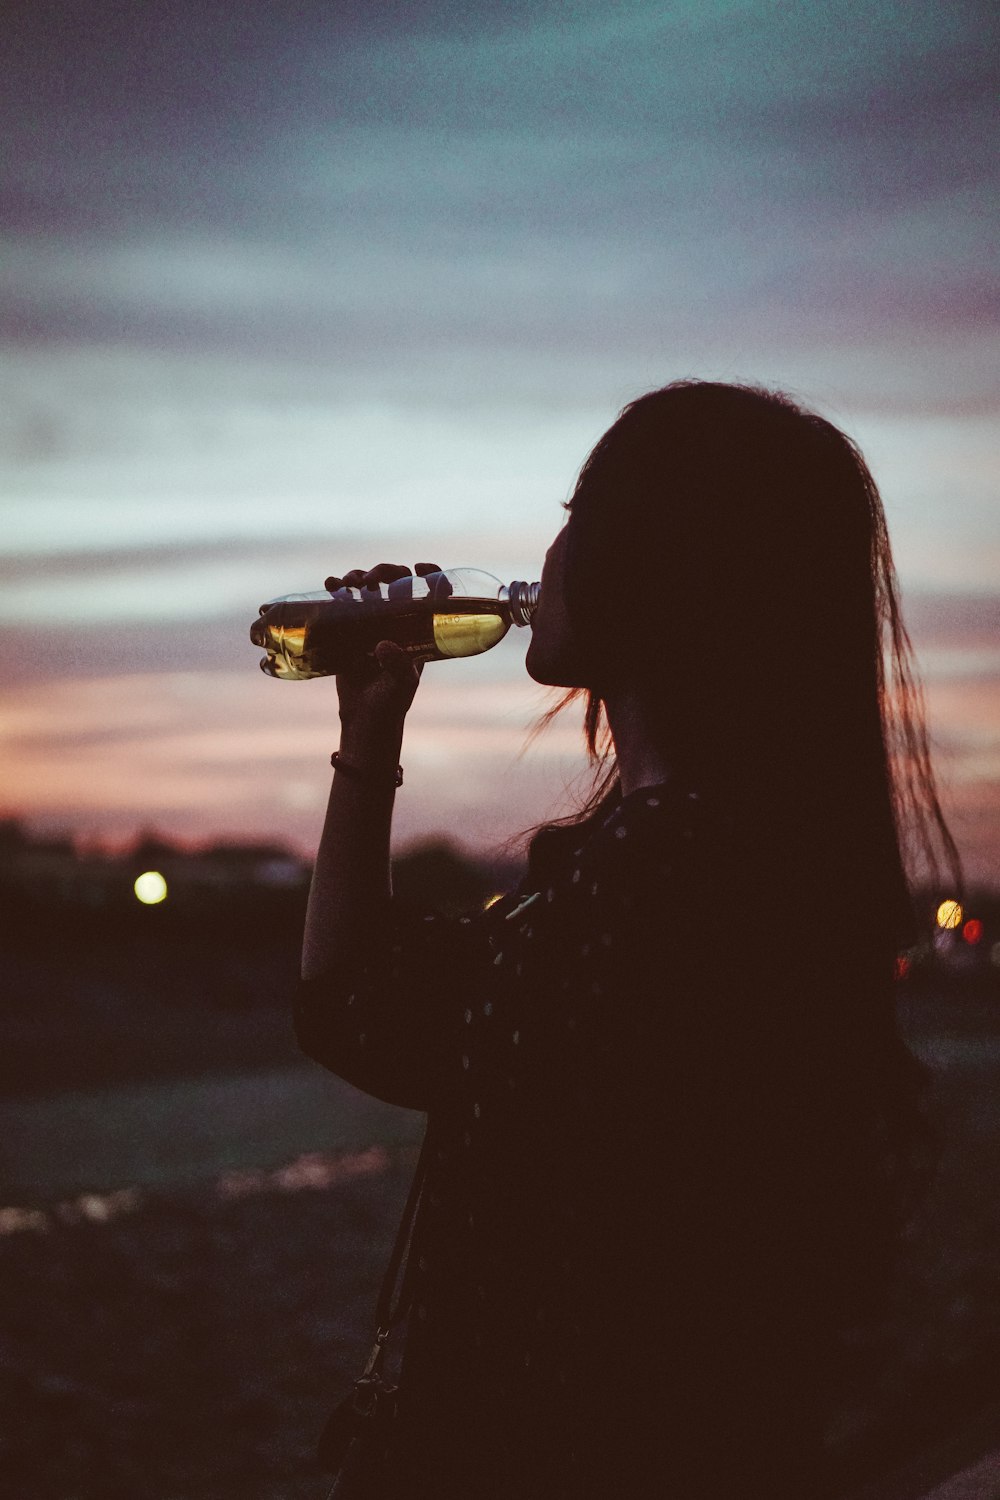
[(350, 891)]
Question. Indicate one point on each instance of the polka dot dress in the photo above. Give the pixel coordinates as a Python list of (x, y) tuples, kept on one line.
[(552, 1042)]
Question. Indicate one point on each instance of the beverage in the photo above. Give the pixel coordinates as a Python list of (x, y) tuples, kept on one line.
[(461, 612)]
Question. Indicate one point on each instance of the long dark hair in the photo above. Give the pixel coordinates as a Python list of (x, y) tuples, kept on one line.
[(740, 548), (729, 550)]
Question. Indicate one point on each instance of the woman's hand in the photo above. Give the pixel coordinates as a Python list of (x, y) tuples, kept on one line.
[(377, 695)]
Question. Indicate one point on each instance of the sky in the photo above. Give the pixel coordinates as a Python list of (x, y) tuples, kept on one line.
[(290, 288)]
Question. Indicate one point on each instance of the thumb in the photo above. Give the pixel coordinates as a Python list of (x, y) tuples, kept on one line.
[(393, 659)]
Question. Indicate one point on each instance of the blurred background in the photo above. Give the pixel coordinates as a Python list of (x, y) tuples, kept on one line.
[(287, 289)]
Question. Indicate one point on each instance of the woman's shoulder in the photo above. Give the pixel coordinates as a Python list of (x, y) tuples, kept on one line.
[(648, 824)]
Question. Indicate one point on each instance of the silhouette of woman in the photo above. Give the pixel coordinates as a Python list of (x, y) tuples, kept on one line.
[(670, 1112)]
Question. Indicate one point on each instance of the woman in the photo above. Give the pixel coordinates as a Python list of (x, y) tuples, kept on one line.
[(669, 1110)]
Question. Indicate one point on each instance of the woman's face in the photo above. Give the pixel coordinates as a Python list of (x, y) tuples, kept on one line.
[(552, 657)]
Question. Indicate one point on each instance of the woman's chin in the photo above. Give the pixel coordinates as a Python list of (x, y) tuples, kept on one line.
[(549, 670), (539, 664)]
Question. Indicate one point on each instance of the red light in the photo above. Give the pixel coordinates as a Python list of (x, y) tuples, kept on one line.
[(902, 966), (973, 930)]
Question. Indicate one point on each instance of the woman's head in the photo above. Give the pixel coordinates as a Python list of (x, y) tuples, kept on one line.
[(726, 557)]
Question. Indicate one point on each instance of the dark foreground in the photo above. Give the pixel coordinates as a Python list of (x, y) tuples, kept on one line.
[(190, 1347), (185, 1344)]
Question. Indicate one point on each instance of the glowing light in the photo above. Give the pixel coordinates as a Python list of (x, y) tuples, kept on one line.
[(150, 888), (316, 1170), (493, 900), (973, 930), (902, 966), (949, 915), (13, 1220)]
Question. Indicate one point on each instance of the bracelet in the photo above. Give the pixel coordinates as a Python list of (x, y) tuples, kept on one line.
[(339, 764)]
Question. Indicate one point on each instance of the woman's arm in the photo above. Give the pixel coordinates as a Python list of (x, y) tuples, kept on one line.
[(350, 890), (383, 999), (349, 895)]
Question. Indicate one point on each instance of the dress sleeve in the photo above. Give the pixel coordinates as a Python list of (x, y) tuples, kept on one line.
[(384, 1024)]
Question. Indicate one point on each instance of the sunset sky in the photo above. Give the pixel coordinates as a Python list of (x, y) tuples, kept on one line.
[(291, 288)]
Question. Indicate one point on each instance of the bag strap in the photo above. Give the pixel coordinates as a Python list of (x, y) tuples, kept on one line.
[(385, 1314)]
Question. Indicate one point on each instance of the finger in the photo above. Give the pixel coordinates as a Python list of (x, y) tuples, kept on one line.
[(370, 578), (422, 569), (333, 583), (386, 573), (393, 659)]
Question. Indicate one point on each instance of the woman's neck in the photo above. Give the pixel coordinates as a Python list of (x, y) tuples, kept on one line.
[(641, 762)]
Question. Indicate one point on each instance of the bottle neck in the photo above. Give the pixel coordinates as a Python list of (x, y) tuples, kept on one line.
[(523, 601)]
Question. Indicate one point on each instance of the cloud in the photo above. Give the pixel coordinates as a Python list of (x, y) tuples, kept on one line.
[(200, 753), (226, 751), (291, 282), (967, 622), (564, 180)]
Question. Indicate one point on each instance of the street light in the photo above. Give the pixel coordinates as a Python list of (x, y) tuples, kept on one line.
[(150, 888)]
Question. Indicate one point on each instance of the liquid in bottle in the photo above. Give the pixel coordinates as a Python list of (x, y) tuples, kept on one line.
[(454, 613)]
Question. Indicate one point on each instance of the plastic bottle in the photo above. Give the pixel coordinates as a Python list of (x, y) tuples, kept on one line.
[(457, 612)]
